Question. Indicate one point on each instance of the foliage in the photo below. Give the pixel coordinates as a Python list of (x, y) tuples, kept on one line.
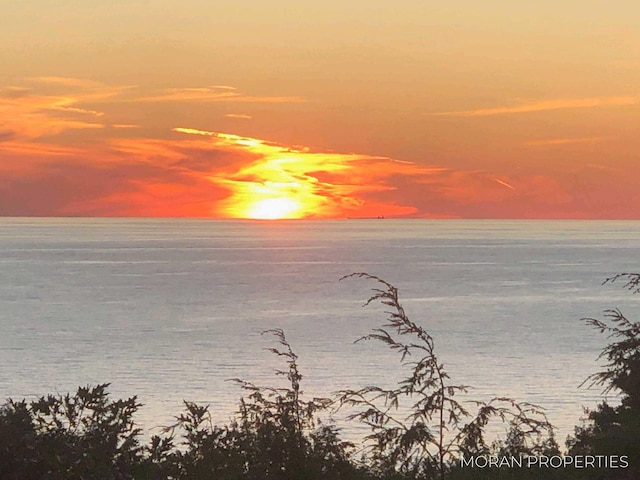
[(632, 281), (81, 436), (276, 434), (615, 430), (438, 428)]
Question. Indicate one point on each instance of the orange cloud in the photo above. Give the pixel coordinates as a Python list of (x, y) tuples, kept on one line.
[(209, 174), (558, 104), (284, 182), (502, 182), (52, 105), (195, 173), (70, 109), (213, 94), (64, 151), (67, 81), (563, 141), (37, 149)]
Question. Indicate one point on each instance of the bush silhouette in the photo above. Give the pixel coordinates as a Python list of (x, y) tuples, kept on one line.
[(84, 435), (615, 430), (276, 434)]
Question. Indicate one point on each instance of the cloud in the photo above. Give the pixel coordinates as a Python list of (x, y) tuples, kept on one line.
[(117, 177), (558, 104), (123, 126), (132, 189), (74, 147), (201, 173), (194, 131), (70, 109), (502, 182), (14, 92), (238, 115), (50, 106), (6, 134), (74, 90), (36, 149), (563, 141), (320, 184), (604, 168), (213, 94), (67, 81)]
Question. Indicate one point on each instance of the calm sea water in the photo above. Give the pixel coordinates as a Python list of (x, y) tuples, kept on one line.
[(170, 309)]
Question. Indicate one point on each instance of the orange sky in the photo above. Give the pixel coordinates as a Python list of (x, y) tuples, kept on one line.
[(338, 109)]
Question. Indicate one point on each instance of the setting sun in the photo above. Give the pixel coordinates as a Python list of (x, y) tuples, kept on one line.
[(275, 208), (281, 182)]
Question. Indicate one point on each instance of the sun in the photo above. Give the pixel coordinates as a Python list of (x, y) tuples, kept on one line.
[(275, 208)]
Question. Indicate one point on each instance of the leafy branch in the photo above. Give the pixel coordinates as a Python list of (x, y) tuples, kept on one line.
[(429, 439)]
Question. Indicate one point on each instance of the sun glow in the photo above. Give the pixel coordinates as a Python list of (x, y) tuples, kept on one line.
[(280, 182), (278, 185), (269, 200), (275, 208)]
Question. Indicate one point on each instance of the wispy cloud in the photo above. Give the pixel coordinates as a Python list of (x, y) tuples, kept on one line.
[(49, 106), (213, 94), (557, 104), (14, 92), (194, 131), (38, 151), (45, 107), (563, 141), (84, 89), (502, 182), (67, 81), (604, 168), (71, 109)]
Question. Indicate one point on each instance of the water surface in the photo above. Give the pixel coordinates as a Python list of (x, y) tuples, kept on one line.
[(170, 309)]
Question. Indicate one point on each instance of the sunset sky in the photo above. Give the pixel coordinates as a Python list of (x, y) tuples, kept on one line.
[(332, 109)]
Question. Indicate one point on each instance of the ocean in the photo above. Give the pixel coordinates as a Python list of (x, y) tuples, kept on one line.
[(171, 309)]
